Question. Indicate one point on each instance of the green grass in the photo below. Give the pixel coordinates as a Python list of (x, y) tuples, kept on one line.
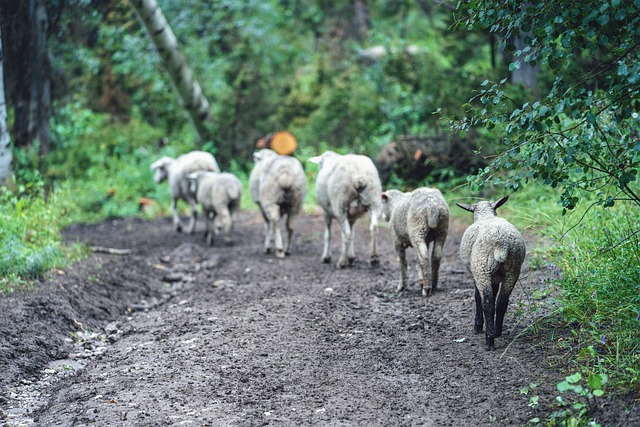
[(30, 237), (593, 257)]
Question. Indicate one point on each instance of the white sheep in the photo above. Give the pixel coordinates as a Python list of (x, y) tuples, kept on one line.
[(417, 219), (219, 195), (176, 171), (278, 185), (348, 186), (493, 251)]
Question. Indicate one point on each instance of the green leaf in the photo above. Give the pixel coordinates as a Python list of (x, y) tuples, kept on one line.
[(594, 381), (574, 378)]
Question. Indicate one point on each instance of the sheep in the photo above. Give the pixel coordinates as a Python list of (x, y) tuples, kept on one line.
[(417, 219), (278, 185), (348, 186), (493, 251), (176, 172), (219, 195)]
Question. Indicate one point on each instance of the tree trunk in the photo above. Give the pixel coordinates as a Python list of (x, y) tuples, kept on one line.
[(526, 75), (181, 75), (361, 19), (40, 91), (28, 71), (5, 140)]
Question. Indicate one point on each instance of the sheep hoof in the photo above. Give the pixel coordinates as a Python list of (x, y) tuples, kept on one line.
[(426, 293), (326, 260), (401, 287), (489, 344), (352, 260), (228, 242), (375, 261), (341, 264), (179, 228), (477, 329), (267, 251), (279, 253)]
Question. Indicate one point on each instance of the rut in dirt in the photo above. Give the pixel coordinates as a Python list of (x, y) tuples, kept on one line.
[(231, 336)]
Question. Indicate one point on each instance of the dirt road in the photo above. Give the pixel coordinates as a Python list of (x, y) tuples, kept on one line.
[(178, 333)]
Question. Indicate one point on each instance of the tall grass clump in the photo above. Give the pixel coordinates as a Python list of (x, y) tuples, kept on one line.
[(600, 264), (593, 258), (30, 235)]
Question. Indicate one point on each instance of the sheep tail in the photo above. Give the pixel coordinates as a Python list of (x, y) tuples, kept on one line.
[(500, 255), (360, 184), (234, 193), (433, 217), (285, 181)]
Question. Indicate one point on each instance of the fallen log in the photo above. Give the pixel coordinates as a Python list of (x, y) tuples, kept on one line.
[(414, 158)]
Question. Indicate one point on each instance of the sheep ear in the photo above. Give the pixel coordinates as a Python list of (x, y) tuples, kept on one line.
[(315, 160), (496, 205), (385, 197), (466, 207)]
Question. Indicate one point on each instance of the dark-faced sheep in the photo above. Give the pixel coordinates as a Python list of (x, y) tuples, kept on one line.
[(493, 251)]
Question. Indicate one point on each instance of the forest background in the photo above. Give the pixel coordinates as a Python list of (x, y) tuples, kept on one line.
[(538, 99)]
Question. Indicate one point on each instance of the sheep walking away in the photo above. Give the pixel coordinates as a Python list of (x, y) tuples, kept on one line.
[(176, 172), (418, 219), (278, 185), (219, 195), (347, 187), (493, 251)]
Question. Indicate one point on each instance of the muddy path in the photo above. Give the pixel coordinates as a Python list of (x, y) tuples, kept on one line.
[(178, 333)]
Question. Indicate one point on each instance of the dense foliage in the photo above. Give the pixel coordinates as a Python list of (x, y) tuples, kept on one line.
[(583, 134)]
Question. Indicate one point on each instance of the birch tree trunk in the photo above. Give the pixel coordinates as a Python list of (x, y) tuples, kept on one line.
[(5, 141), (181, 75)]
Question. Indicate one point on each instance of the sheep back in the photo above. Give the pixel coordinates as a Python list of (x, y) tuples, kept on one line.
[(282, 181), (348, 183), (215, 190), (491, 243), (261, 159), (418, 216)]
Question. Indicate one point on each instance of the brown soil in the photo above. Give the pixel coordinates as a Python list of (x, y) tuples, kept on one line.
[(179, 333)]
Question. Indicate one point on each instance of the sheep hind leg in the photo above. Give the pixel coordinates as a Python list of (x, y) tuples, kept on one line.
[(274, 219), (176, 218), (352, 244), (478, 325), (373, 231), (489, 311), (425, 268), (436, 256), (192, 219), (402, 256), (346, 242), (268, 235), (502, 302), (226, 226), (289, 226), (326, 253), (210, 218)]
